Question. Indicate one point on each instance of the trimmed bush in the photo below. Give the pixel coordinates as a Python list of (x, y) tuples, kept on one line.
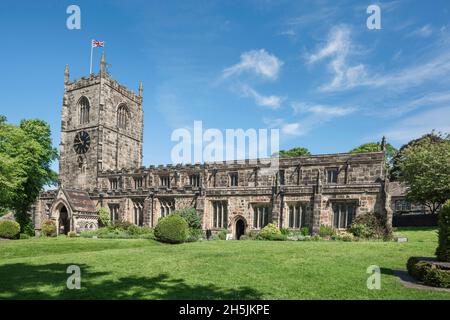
[(428, 273), (172, 229), (326, 231), (9, 229), (48, 228), (269, 232), (443, 249)]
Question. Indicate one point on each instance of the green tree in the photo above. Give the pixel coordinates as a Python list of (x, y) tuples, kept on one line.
[(398, 158), (191, 216), (391, 151), (425, 169), (294, 152), (103, 215), (26, 154)]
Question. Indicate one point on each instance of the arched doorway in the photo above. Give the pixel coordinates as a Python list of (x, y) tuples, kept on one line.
[(64, 221), (240, 228)]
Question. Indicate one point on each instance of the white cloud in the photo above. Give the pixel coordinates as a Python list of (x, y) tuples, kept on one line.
[(287, 128), (423, 32), (258, 62), (337, 49), (329, 111), (420, 124), (271, 101)]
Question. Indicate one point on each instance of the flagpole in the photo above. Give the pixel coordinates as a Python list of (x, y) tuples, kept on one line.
[(90, 68)]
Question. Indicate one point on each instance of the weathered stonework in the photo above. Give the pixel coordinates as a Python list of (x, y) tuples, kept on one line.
[(112, 176)]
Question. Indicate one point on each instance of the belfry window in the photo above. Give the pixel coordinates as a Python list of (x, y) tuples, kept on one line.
[(123, 117), (234, 179), (84, 107)]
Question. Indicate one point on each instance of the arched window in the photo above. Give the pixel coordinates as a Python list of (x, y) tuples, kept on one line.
[(123, 116), (84, 107)]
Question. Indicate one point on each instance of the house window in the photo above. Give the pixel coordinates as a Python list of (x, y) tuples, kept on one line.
[(332, 175), (123, 117), (402, 206), (114, 212), (194, 180), (297, 216), (138, 182), (220, 214), (138, 213), (260, 216), (343, 214), (84, 107), (167, 206), (234, 179), (165, 181), (281, 175), (113, 184)]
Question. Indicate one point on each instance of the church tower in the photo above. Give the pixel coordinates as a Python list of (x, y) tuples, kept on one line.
[(101, 129)]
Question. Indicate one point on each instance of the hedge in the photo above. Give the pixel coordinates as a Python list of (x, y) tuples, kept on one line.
[(428, 273)]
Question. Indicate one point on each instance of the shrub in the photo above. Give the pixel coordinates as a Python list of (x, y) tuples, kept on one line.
[(244, 237), (195, 234), (252, 234), (443, 249), (222, 234), (191, 217), (304, 231), (276, 237), (88, 234), (285, 231), (24, 236), (48, 228), (269, 232), (72, 234), (371, 226), (103, 217), (171, 229), (120, 225), (346, 236), (9, 229), (326, 231)]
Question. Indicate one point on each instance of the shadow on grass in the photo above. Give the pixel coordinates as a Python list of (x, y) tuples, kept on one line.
[(27, 281)]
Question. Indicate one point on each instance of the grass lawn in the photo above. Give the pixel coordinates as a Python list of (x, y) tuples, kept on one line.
[(144, 269)]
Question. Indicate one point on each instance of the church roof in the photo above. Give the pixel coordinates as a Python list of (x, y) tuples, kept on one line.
[(79, 200)]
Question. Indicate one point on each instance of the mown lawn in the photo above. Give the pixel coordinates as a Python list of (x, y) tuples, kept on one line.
[(144, 269)]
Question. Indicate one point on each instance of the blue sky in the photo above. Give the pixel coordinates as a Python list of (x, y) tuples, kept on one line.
[(310, 68)]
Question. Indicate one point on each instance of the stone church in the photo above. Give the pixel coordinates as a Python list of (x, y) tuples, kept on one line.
[(101, 166)]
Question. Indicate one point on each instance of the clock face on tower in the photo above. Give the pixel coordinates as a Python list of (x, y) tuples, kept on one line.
[(81, 142)]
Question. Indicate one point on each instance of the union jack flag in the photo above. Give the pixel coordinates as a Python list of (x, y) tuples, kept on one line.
[(97, 43)]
